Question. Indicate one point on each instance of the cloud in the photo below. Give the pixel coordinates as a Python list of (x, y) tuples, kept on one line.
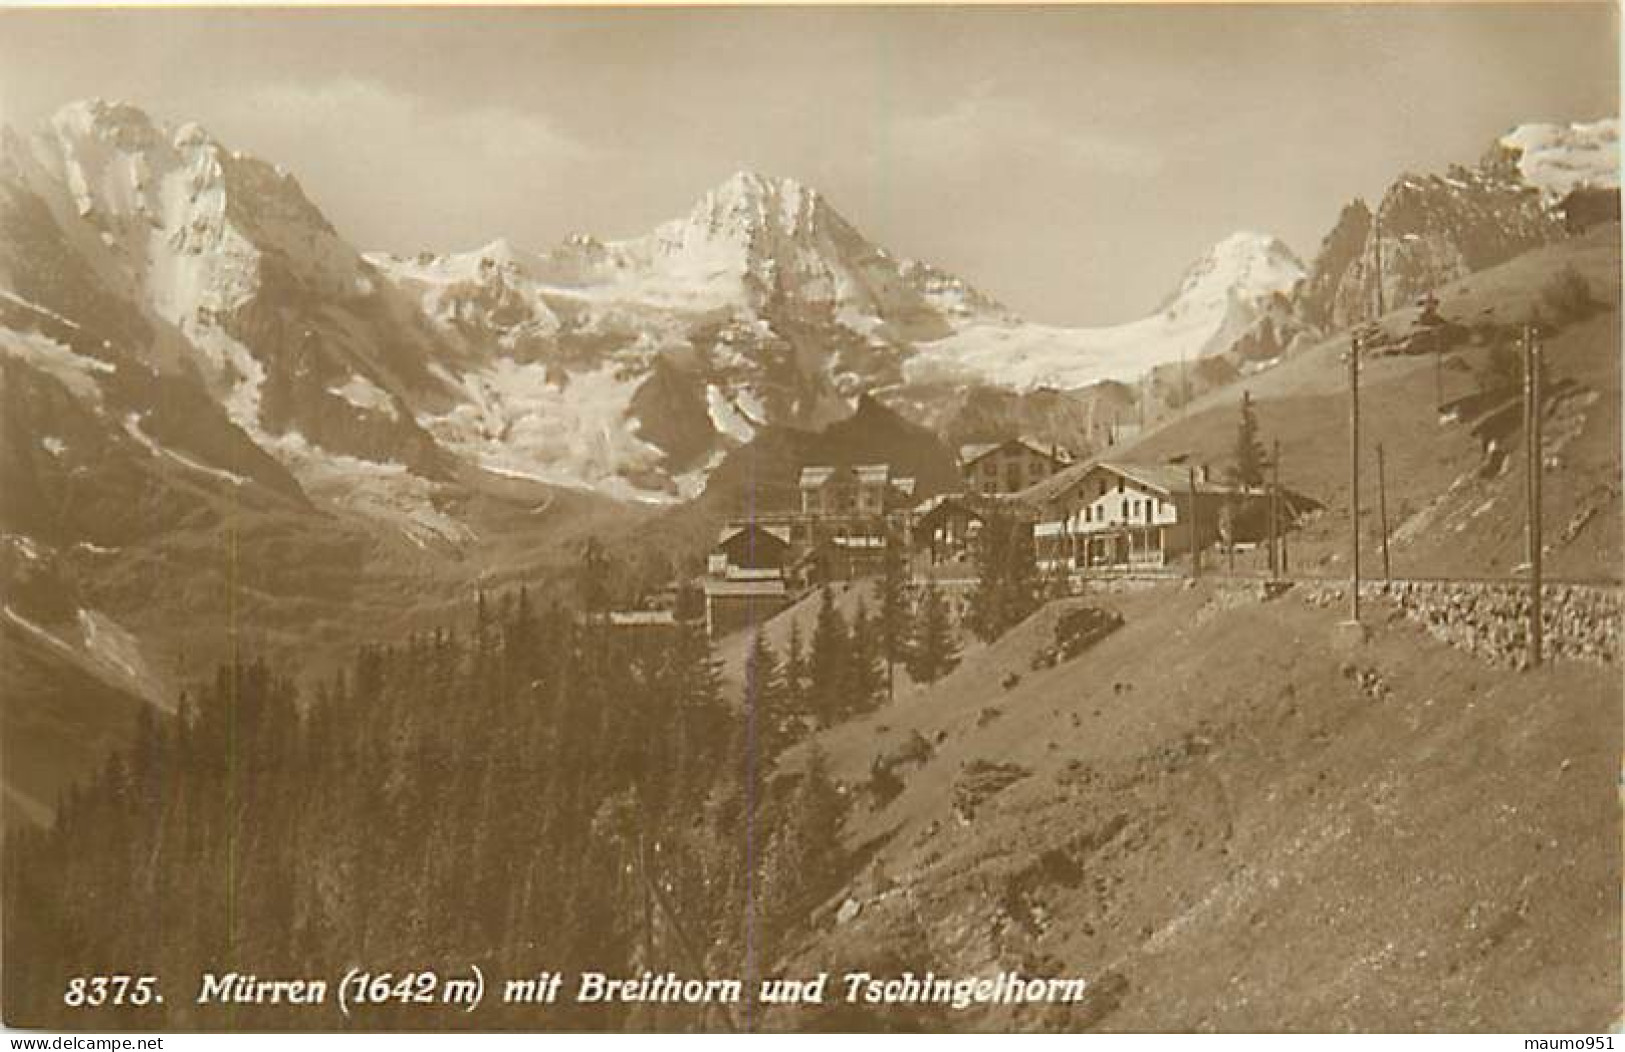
[(984, 127), (359, 112), (401, 171)]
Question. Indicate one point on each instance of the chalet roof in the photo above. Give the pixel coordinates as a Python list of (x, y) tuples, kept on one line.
[(971, 452), (815, 475), (737, 589), (732, 530), (933, 505), (1166, 478), (640, 618), (1056, 485), (1170, 479)]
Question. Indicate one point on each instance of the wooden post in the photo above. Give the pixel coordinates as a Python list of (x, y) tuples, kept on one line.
[(1382, 511), (1438, 368), (1532, 438), (1230, 548), (1354, 475), (1275, 510), (1196, 555)]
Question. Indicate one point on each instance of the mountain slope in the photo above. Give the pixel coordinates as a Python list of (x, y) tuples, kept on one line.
[(1217, 299), (763, 305), (1224, 825), (1453, 508), (1557, 159), (237, 277), (1431, 229)]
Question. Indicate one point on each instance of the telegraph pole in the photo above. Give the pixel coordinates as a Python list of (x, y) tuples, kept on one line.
[(1382, 510), (1277, 527), (1272, 529), (1532, 439), (1438, 370), (1354, 474), (1196, 554)]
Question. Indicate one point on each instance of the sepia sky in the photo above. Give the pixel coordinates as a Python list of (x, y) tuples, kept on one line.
[(1070, 161)]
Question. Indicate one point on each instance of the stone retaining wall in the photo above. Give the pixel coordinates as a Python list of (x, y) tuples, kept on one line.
[(1581, 622)]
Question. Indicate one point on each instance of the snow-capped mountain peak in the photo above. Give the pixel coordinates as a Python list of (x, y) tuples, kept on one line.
[(1558, 158), (1244, 266), (1219, 296), (749, 203)]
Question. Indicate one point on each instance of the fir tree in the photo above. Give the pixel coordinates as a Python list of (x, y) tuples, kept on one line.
[(592, 579), (893, 617), (795, 674), (804, 856), (1008, 587), (826, 665), (935, 652), (1248, 469), (865, 672), (764, 700)]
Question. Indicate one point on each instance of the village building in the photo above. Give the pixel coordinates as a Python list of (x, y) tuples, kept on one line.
[(840, 503), (732, 605), (750, 550), (644, 622), (1008, 467), (946, 527), (852, 491), (745, 576), (1119, 516)]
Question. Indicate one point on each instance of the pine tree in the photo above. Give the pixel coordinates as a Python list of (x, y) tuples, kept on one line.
[(826, 671), (893, 618), (804, 855), (1248, 469), (764, 700), (1008, 587), (935, 652), (865, 673), (592, 579), (795, 674)]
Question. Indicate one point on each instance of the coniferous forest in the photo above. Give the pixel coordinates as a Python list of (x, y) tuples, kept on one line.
[(535, 790)]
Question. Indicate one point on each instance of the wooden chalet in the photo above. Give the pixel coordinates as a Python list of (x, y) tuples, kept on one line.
[(1122, 516), (1008, 467), (945, 527)]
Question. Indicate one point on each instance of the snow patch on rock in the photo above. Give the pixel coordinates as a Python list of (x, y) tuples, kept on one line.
[(1558, 158)]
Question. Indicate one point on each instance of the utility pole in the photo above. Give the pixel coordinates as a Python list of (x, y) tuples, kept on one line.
[(1272, 528), (1532, 438), (1438, 370), (1277, 527), (1196, 553), (1382, 511), (1354, 474)]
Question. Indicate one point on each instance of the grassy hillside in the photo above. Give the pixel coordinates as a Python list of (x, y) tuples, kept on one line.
[(1225, 823), (58, 722), (1443, 519)]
